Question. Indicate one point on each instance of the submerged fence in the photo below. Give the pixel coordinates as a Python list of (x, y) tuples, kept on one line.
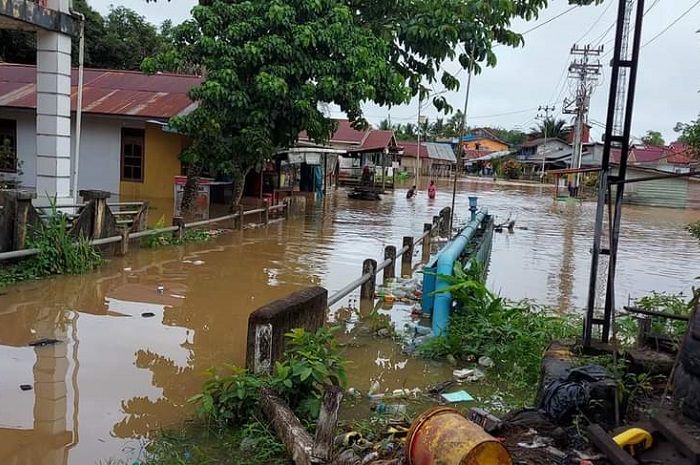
[(367, 281), (178, 228)]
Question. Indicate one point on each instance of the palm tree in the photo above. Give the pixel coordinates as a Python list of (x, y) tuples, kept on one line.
[(554, 128)]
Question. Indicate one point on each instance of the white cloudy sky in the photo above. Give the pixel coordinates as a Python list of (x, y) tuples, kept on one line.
[(509, 94)]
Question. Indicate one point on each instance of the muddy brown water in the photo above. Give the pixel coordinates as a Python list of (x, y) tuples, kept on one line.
[(118, 374)]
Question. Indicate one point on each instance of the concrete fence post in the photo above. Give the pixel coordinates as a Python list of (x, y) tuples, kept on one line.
[(286, 209), (266, 212), (406, 267), (427, 228), (179, 233), (390, 271), (367, 289), (445, 222), (23, 218), (267, 325), (240, 218), (121, 248), (436, 225), (100, 214)]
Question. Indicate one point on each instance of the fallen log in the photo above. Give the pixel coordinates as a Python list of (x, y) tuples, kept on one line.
[(301, 447)]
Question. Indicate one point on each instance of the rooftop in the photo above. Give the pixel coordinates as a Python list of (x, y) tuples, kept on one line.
[(106, 92)]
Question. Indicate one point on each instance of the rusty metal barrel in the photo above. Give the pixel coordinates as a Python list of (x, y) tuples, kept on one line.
[(443, 436)]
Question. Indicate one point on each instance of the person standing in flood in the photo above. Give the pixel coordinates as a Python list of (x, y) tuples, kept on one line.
[(432, 190), (411, 192)]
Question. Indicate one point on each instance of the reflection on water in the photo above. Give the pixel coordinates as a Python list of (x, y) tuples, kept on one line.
[(130, 356)]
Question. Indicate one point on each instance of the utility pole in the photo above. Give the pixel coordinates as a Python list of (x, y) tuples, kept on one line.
[(420, 98), (544, 117), (460, 148), (586, 73)]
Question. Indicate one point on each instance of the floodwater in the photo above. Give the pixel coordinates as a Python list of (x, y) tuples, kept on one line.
[(119, 374)]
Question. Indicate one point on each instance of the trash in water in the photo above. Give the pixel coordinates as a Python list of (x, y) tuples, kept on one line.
[(148, 314), (461, 375), (128, 268), (177, 296), (160, 288), (457, 396), (25, 387), (198, 262), (43, 342), (537, 442), (390, 409), (486, 361)]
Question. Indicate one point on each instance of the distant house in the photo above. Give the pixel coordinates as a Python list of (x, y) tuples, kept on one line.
[(375, 148), (482, 139), (436, 158), (553, 153), (126, 147), (648, 161)]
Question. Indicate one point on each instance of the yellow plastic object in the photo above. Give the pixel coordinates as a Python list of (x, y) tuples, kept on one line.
[(634, 439), (442, 436)]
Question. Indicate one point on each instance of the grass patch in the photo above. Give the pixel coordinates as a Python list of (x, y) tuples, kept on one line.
[(253, 443), (164, 239)]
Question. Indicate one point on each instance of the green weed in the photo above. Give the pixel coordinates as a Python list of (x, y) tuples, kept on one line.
[(163, 239), (513, 335), (59, 252), (312, 361)]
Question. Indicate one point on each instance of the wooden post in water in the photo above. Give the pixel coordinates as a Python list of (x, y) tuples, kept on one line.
[(266, 213), (436, 225), (121, 248), (240, 218), (179, 233), (367, 289), (286, 209), (390, 271), (406, 267), (427, 228)]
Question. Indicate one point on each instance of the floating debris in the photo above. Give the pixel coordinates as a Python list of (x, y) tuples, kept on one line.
[(26, 387), (457, 396), (148, 314), (43, 342)]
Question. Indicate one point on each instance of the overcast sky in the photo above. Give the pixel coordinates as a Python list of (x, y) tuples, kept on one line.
[(524, 78)]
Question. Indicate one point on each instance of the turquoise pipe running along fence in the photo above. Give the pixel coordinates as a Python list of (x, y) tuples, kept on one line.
[(439, 304)]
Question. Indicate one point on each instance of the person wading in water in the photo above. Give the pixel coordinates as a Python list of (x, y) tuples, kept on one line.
[(411, 192), (432, 190)]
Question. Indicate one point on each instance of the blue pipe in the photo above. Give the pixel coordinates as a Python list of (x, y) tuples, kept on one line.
[(445, 266)]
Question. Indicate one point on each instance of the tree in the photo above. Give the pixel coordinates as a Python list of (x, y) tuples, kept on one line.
[(512, 137), (120, 41), (690, 134), (653, 138), (552, 127), (384, 125), (270, 63)]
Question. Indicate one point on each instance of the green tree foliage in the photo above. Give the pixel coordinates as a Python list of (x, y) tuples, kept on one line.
[(512, 137), (690, 134), (653, 138), (554, 128), (268, 71), (121, 40)]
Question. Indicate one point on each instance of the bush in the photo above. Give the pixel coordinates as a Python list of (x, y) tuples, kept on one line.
[(312, 361), (513, 335), (511, 169), (59, 252)]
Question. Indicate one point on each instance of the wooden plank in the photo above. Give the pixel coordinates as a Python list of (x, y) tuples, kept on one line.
[(327, 420), (604, 443), (683, 441)]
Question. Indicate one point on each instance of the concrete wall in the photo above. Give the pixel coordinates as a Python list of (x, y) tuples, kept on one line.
[(100, 156), (161, 165), (100, 159)]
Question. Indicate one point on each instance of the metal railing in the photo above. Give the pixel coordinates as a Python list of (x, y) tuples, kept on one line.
[(125, 236), (370, 268)]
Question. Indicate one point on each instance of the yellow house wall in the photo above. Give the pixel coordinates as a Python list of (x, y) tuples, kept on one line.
[(486, 144), (161, 165)]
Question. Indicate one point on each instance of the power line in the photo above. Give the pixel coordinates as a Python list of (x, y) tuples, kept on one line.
[(595, 23), (549, 20), (672, 24)]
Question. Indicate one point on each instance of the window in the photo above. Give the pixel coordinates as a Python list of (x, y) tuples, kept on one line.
[(132, 154), (8, 146)]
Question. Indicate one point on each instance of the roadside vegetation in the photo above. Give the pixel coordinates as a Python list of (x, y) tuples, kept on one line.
[(59, 253), (231, 428), (164, 239), (514, 335)]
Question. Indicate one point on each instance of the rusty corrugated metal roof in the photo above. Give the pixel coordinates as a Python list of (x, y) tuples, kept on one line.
[(106, 92)]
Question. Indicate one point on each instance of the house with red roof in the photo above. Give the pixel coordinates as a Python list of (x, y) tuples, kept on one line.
[(125, 145), (647, 161), (356, 148)]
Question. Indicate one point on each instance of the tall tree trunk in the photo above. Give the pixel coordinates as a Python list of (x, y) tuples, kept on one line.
[(239, 175), (189, 194)]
